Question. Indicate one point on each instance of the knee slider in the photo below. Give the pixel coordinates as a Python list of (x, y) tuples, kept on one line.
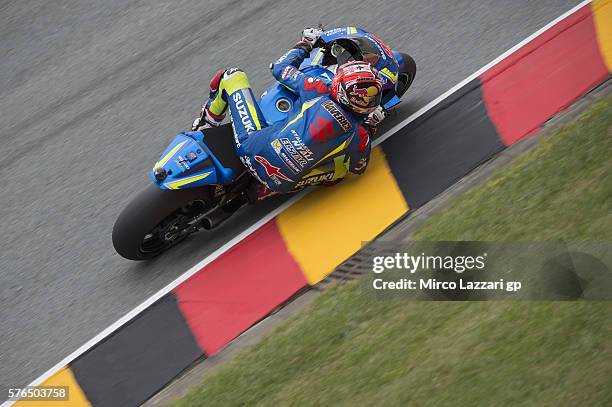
[(233, 71), (235, 79)]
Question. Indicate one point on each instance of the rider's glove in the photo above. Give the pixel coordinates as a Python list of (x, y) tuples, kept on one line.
[(374, 118), (309, 37), (205, 120), (197, 124)]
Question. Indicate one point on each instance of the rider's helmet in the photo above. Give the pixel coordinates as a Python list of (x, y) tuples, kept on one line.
[(358, 86)]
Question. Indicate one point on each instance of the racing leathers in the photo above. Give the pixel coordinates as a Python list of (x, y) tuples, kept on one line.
[(318, 142)]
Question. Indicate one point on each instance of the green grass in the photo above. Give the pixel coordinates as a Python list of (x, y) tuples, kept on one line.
[(562, 190), (350, 349)]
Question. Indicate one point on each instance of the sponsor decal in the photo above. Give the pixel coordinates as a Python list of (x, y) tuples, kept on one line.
[(381, 43), (247, 163), (315, 179), (182, 163), (357, 68), (335, 112), (219, 190), (335, 31), (287, 160), (288, 71), (276, 145), (364, 95), (301, 147), (272, 171), (285, 150), (321, 129), (356, 81), (236, 141), (242, 112), (293, 153), (311, 83), (362, 92), (378, 45)]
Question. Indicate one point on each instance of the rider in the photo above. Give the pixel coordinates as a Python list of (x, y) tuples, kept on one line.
[(310, 147)]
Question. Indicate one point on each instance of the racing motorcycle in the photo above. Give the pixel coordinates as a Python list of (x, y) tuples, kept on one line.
[(199, 181)]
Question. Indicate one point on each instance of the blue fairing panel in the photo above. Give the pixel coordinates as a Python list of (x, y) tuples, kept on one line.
[(188, 163)]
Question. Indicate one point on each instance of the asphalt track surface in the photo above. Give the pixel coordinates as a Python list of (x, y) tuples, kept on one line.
[(91, 92)]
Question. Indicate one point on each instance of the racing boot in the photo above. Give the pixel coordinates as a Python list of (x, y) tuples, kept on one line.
[(208, 117)]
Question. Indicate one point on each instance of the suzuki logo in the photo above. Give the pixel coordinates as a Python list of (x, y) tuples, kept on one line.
[(242, 112), (322, 129)]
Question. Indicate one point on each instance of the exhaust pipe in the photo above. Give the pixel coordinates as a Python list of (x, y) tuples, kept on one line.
[(216, 216)]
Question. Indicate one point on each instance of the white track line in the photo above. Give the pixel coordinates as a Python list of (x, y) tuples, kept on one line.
[(127, 317)]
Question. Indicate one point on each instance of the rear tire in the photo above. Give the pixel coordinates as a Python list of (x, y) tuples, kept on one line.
[(152, 221), (406, 76)]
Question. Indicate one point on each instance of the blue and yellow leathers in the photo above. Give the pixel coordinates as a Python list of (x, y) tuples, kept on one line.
[(318, 143)]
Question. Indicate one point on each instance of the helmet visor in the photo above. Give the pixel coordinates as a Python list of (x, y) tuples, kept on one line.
[(364, 98)]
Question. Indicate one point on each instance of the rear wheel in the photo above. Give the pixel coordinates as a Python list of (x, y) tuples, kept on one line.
[(156, 220), (406, 75)]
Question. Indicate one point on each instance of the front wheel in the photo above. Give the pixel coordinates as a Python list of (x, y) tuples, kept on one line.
[(156, 220), (406, 75)]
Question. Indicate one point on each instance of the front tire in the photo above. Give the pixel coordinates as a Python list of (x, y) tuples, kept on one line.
[(406, 75), (156, 220)]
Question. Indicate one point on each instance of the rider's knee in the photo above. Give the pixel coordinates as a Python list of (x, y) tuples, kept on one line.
[(233, 71), (235, 78)]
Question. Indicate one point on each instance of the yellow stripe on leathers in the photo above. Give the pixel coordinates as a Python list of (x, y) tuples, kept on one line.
[(330, 224), (307, 105), (602, 14), (63, 377)]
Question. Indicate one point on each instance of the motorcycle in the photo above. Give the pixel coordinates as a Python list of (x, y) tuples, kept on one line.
[(199, 181)]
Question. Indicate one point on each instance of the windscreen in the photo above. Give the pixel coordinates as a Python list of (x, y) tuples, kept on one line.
[(369, 52)]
